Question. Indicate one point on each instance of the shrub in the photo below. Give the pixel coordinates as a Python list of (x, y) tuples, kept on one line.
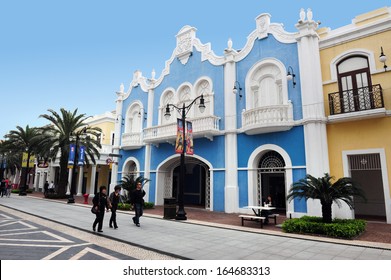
[(340, 228), (126, 206), (18, 191)]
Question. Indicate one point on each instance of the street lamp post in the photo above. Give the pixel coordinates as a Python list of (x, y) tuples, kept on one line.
[(71, 198), (181, 214)]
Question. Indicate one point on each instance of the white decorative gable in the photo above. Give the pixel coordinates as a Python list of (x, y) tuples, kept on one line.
[(184, 43)]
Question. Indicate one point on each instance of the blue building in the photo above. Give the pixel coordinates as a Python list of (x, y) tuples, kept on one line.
[(263, 127)]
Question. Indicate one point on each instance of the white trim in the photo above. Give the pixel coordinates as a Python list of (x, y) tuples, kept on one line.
[(352, 32), (352, 116), (159, 187), (384, 170), (352, 52), (252, 175)]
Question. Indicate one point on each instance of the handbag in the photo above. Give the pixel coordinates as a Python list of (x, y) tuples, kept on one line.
[(95, 210)]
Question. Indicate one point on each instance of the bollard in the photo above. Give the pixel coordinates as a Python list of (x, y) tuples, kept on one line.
[(85, 198)]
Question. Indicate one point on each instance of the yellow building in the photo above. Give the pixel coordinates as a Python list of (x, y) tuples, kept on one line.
[(98, 175), (357, 98), (90, 177)]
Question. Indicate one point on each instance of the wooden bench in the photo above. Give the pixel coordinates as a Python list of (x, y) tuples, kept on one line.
[(274, 216), (252, 218)]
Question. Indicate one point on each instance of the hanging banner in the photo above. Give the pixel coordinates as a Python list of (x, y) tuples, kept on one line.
[(82, 151), (189, 139), (4, 164), (179, 138), (72, 153), (31, 161)]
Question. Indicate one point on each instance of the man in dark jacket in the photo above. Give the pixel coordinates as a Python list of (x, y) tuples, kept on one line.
[(137, 200), (114, 200)]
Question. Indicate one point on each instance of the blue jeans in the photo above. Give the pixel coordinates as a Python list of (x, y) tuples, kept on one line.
[(138, 210)]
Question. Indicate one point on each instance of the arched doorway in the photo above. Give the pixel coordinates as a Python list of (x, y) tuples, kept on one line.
[(271, 179), (198, 183)]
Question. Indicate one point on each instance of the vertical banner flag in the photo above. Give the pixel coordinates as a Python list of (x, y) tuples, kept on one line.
[(179, 138), (189, 139), (71, 158), (81, 156), (31, 161)]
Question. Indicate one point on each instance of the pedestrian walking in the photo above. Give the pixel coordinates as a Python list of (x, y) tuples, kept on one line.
[(7, 188), (51, 187), (114, 198), (45, 188), (100, 204), (2, 187), (137, 200)]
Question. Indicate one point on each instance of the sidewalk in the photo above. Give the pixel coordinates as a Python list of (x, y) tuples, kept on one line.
[(201, 239)]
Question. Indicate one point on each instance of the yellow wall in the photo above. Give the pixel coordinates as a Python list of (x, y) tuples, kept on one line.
[(107, 128), (357, 135), (362, 134)]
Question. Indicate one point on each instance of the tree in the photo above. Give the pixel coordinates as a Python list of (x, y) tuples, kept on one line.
[(344, 189), (65, 126), (21, 141), (128, 183)]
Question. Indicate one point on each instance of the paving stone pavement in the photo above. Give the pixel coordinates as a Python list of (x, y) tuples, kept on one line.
[(197, 241)]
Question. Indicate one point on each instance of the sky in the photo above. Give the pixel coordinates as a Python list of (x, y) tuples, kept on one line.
[(75, 54)]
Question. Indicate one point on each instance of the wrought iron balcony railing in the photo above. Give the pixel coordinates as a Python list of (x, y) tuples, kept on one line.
[(354, 100)]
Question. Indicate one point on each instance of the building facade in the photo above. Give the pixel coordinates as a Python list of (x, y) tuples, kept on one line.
[(357, 89), (264, 126)]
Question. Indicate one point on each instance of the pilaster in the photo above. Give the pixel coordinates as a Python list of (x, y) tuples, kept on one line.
[(231, 190), (314, 118)]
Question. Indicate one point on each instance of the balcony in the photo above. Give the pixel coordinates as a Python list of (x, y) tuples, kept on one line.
[(357, 103), (131, 141), (106, 149), (273, 118), (202, 127)]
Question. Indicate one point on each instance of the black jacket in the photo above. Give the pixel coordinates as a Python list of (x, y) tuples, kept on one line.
[(137, 196), (100, 200), (114, 200)]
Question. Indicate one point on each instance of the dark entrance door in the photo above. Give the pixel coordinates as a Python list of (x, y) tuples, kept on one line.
[(195, 184)]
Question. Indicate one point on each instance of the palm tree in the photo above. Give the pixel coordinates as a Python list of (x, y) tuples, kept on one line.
[(344, 189), (65, 126), (21, 141), (128, 183)]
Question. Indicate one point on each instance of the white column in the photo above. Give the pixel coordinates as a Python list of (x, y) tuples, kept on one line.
[(117, 136), (93, 179), (69, 181), (315, 136), (148, 148), (231, 191), (80, 181)]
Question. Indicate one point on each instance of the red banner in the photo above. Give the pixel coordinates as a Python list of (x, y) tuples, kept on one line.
[(179, 138)]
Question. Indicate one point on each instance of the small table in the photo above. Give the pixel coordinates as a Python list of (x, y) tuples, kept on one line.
[(258, 210)]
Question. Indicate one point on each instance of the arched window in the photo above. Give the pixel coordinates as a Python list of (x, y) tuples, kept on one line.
[(204, 87), (167, 98), (266, 85), (133, 122), (354, 79)]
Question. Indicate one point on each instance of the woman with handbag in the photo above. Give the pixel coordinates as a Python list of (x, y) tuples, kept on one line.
[(100, 204)]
